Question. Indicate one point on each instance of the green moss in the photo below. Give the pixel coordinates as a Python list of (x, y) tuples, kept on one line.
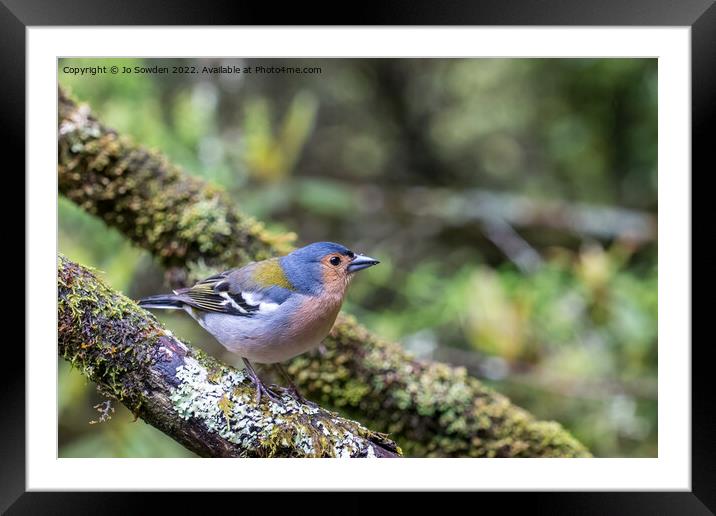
[(113, 333), (434, 409), (180, 219)]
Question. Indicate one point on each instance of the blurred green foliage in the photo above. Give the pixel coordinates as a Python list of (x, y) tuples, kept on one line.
[(342, 155)]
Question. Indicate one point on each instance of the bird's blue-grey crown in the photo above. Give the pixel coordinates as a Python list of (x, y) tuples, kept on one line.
[(303, 266)]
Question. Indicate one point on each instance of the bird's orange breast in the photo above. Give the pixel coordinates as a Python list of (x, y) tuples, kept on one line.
[(314, 318)]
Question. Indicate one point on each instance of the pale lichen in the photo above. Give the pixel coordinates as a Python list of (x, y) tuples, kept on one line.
[(226, 406)]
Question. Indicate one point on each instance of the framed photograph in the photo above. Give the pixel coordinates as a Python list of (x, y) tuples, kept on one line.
[(463, 245)]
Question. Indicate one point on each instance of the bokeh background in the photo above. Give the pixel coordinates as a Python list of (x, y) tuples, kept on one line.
[(512, 203)]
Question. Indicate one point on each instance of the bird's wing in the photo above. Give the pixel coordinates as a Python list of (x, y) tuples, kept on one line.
[(235, 292)]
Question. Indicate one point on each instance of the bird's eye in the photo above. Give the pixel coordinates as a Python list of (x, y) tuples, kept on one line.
[(335, 260)]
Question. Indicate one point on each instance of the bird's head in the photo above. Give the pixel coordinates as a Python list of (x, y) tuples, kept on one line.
[(324, 265)]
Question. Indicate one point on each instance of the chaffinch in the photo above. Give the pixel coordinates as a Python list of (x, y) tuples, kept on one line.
[(273, 310)]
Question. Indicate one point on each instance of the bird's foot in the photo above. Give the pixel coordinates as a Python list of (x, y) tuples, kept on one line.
[(261, 389), (292, 391)]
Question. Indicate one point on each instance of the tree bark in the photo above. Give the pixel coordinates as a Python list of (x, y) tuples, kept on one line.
[(432, 409), (206, 406)]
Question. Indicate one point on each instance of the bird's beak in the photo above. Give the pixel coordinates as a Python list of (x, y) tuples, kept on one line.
[(361, 262)]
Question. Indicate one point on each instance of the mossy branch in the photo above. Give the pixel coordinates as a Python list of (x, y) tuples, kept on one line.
[(186, 223), (206, 406), (192, 228)]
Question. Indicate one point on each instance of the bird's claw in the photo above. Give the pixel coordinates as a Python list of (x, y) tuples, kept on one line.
[(262, 389), (293, 392)]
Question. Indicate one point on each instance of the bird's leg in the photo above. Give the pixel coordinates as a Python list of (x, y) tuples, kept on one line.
[(292, 389), (260, 385)]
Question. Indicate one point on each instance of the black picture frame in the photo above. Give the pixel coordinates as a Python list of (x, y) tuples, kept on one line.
[(17, 15)]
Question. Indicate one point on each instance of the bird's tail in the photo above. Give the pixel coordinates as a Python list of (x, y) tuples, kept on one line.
[(164, 301)]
